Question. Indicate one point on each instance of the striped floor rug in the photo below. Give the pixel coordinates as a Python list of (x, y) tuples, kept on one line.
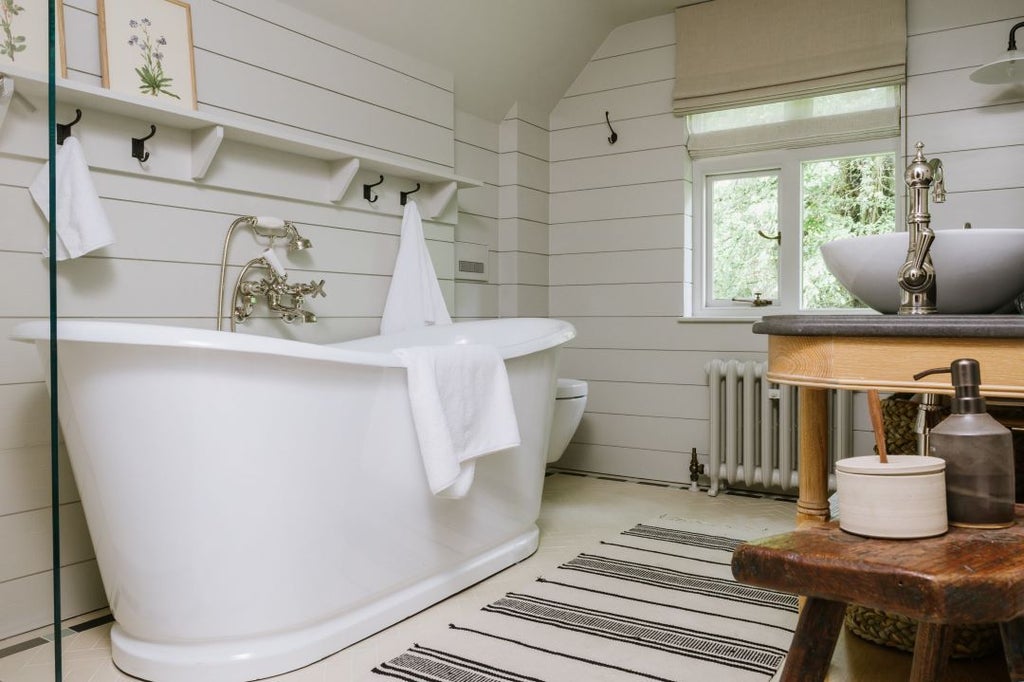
[(656, 602)]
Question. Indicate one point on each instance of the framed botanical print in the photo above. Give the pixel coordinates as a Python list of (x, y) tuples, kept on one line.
[(146, 49), (24, 35)]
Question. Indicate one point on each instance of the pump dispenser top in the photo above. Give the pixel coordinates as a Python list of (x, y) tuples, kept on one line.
[(978, 451), (966, 377)]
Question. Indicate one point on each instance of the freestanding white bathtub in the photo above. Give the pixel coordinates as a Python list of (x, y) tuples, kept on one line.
[(257, 504)]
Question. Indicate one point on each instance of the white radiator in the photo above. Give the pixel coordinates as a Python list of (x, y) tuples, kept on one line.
[(753, 428)]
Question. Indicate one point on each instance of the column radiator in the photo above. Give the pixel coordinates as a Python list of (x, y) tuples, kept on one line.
[(753, 428)]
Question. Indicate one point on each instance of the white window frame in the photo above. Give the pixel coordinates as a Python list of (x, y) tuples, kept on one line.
[(787, 162)]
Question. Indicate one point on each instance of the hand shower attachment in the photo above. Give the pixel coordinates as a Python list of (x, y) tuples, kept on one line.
[(283, 298)]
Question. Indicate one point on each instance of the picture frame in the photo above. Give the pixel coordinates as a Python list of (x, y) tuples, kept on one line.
[(146, 49), (25, 39)]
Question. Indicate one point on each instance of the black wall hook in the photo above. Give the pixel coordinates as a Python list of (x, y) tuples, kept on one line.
[(64, 129), (614, 136), (404, 196), (139, 145), (368, 194)]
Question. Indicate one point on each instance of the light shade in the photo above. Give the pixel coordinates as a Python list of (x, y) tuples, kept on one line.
[(1008, 68)]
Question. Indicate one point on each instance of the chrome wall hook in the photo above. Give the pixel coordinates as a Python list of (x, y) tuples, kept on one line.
[(403, 197), (64, 129), (368, 191), (139, 145)]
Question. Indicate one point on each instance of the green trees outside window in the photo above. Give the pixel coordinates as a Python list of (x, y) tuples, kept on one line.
[(838, 197)]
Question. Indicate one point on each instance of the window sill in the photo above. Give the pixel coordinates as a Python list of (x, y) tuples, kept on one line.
[(719, 319), (747, 317)]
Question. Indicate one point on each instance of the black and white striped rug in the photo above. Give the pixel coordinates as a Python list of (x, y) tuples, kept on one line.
[(656, 602)]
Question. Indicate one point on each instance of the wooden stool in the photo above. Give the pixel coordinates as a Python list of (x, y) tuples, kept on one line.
[(965, 576)]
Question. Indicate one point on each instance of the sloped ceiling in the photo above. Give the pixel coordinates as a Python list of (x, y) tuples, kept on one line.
[(500, 51)]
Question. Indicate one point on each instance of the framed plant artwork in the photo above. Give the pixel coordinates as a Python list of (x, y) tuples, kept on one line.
[(146, 49), (24, 35)]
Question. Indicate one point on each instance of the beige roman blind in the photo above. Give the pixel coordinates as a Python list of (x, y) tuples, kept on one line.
[(735, 53)]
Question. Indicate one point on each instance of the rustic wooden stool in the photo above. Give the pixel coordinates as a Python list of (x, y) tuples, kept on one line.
[(965, 576)]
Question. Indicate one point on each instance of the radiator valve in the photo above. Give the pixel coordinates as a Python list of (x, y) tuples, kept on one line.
[(696, 469)]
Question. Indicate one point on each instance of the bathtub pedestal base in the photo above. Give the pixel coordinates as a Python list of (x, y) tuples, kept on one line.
[(255, 658)]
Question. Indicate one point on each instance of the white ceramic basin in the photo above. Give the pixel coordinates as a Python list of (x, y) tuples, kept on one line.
[(976, 271)]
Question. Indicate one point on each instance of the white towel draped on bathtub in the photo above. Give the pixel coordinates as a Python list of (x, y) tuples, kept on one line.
[(82, 225), (462, 409), (414, 297)]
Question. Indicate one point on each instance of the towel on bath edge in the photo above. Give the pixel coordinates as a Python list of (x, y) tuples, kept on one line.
[(414, 297), (82, 225), (462, 409)]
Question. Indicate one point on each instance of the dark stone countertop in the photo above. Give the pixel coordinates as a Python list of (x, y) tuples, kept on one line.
[(922, 326)]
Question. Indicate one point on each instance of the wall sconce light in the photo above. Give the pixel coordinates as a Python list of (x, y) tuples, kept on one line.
[(1008, 68)]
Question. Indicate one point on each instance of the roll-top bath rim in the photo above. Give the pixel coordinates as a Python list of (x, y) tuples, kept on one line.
[(513, 337)]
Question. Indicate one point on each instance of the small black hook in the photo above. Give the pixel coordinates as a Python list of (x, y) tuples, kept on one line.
[(64, 129), (614, 136), (367, 193), (404, 196), (139, 145)]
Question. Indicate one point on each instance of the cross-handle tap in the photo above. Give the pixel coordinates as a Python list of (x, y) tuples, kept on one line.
[(313, 289), (282, 297), (293, 311)]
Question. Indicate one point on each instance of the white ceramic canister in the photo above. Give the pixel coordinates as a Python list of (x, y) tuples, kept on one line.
[(903, 498)]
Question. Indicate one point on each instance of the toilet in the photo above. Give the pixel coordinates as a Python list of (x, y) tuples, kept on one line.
[(570, 399)]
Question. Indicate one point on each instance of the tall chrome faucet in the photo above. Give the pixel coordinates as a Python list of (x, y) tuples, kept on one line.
[(916, 276)]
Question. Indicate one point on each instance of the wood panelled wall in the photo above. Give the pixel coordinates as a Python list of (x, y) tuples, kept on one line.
[(977, 130), (620, 218), (261, 62), (476, 156), (523, 205), (617, 240)]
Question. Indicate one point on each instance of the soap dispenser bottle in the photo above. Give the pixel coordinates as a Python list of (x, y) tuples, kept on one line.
[(978, 452)]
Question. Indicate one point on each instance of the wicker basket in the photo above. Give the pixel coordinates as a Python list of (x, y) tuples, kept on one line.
[(899, 416), (898, 632)]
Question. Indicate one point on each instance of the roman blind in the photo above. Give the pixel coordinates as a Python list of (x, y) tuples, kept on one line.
[(871, 114), (736, 53)]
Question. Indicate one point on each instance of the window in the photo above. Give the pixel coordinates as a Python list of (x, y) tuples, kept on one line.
[(759, 220), (739, 207), (773, 182)]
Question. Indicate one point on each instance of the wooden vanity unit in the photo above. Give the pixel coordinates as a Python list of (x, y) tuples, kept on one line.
[(859, 352)]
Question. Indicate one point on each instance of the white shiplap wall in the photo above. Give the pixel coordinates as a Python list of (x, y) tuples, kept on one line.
[(978, 130), (617, 242), (476, 156), (523, 204), (272, 67), (620, 216)]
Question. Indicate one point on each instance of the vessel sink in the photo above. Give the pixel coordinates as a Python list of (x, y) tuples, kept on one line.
[(976, 270)]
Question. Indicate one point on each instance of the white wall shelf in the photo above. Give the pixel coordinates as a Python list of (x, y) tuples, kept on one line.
[(209, 130)]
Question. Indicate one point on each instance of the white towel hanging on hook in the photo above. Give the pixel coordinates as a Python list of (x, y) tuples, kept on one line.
[(414, 297), (82, 224)]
